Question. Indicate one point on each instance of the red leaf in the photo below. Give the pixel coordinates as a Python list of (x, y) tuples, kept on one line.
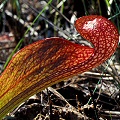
[(52, 60)]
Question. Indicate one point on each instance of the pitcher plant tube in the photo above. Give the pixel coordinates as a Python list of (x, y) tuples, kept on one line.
[(49, 61)]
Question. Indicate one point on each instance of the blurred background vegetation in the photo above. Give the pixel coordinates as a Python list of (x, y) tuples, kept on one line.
[(97, 95)]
